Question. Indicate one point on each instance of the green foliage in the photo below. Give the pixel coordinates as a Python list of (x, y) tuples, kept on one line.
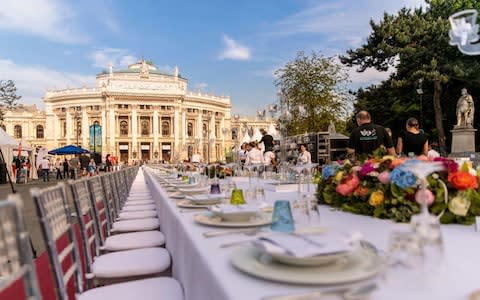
[(416, 43), (317, 83), (8, 95)]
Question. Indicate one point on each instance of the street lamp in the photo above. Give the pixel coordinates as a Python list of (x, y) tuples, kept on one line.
[(420, 92), (95, 124)]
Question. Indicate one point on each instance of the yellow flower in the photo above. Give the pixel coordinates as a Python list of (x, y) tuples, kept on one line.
[(339, 176), (459, 204), (376, 198), (388, 157)]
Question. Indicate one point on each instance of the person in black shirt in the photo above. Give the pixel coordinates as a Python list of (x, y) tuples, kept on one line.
[(412, 140), (368, 137), (267, 140)]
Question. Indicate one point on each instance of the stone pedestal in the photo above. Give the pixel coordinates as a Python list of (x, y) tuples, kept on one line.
[(463, 139)]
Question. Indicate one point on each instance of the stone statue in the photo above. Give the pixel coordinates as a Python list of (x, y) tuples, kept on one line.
[(465, 110)]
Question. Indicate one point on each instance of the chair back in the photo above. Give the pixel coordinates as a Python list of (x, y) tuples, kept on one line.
[(110, 198), (87, 219), (16, 259), (100, 207), (121, 188), (58, 233)]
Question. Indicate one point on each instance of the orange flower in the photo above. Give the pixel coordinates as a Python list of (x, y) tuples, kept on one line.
[(361, 191), (348, 185), (397, 162), (463, 180)]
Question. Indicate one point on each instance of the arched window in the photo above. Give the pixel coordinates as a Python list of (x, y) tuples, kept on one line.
[(40, 134), (17, 131), (124, 128), (145, 127), (165, 128), (204, 130), (190, 129)]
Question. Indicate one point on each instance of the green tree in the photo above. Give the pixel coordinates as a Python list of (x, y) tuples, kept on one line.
[(416, 43), (314, 88), (8, 95)]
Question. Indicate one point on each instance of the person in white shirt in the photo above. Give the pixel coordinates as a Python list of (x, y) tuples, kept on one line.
[(254, 155), (242, 153), (45, 164), (432, 153), (196, 158), (269, 158), (305, 157)]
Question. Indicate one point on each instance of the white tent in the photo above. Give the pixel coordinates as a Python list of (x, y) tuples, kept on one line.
[(273, 132), (40, 155), (246, 139), (257, 136), (7, 144)]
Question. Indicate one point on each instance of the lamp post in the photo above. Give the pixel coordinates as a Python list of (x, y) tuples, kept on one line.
[(95, 124), (420, 92)]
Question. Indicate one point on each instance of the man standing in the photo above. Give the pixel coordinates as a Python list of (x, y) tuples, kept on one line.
[(368, 137), (267, 140), (45, 164)]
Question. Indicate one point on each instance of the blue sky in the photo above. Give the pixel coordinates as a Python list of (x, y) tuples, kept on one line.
[(222, 47)]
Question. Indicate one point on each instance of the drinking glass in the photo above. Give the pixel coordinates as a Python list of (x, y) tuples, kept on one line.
[(237, 197), (282, 219)]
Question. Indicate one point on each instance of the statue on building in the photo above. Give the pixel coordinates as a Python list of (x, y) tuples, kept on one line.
[(465, 110), (144, 71)]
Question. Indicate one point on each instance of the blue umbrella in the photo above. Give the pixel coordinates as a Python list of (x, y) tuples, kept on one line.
[(70, 149)]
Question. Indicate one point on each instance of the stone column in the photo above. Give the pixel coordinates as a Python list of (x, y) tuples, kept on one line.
[(222, 125), (85, 129), (134, 130), (56, 128), (68, 119), (184, 127), (112, 130), (176, 131), (213, 135), (155, 130), (104, 131)]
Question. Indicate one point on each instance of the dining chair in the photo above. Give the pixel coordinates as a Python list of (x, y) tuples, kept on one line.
[(53, 211), (18, 279)]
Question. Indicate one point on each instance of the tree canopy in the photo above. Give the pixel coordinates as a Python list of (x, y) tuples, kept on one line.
[(8, 95), (314, 90), (416, 43)]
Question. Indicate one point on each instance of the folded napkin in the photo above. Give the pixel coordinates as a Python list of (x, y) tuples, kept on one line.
[(205, 197), (299, 245), (234, 209)]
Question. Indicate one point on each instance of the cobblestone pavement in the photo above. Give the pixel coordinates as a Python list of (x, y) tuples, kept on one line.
[(30, 215)]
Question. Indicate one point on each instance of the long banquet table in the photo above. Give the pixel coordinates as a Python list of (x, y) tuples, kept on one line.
[(205, 271)]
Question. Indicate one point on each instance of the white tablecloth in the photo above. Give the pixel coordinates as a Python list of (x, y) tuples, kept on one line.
[(204, 270)]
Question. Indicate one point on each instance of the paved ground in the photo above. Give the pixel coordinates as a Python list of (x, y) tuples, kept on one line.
[(30, 214)]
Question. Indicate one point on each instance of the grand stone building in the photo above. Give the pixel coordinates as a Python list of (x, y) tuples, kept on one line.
[(138, 113)]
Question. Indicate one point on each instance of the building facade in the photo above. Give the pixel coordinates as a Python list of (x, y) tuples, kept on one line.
[(138, 113)]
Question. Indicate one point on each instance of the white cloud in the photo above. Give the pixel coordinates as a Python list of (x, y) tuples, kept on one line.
[(233, 50), (200, 86), (50, 19), (33, 81), (102, 57)]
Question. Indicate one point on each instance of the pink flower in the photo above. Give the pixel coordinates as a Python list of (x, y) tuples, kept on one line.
[(348, 185), (429, 198), (449, 164), (384, 177), (366, 168)]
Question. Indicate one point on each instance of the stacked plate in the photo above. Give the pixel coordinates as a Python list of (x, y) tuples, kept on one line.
[(328, 258)]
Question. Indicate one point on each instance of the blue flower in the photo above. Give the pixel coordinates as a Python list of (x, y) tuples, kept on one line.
[(329, 171), (403, 178)]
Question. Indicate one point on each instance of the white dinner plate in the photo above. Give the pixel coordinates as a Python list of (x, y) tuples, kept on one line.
[(361, 264), (210, 219), (195, 190), (336, 246), (189, 204), (176, 195), (206, 199)]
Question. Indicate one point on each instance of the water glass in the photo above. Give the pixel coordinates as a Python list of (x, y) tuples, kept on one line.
[(282, 219), (260, 195), (237, 197), (215, 188)]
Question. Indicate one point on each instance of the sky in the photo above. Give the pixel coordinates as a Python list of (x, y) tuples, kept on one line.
[(224, 47)]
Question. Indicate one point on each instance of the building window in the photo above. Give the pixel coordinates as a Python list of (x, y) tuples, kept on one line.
[(17, 131), (165, 128), (145, 125), (123, 128), (204, 130), (40, 132), (190, 129), (234, 134), (217, 130)]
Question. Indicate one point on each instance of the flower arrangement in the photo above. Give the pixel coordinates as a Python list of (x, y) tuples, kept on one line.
[(387, 188)]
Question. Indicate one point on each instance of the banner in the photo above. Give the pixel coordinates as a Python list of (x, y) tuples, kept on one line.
[(95, 138)]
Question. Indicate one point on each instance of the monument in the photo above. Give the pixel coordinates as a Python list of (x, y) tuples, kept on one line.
[(463, 133)]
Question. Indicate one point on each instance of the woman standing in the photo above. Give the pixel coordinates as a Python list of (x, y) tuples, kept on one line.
[(305, 157), (412, 140)]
